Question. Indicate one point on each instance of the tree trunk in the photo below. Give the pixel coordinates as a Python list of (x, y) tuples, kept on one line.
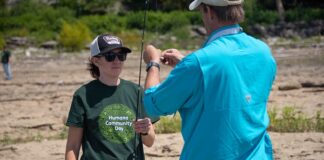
[(281, 10)]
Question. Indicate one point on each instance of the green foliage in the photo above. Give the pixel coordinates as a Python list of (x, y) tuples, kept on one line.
[(250, 7), (71, 4), (86, 7), (38, 137), (306, 14), (21, 32), (292, 121), (194, 18), (267, 17), (180, 38), (43, 22), (289, 121), (255, 13), (168, 124), (3, 10), (135, 20), (6, 139), (177, 19), (2, 41), (26, 6), (163, 5), (170, 5), (63, 133), (319, 122), (181, 32), (74, 37), (42, 36), (159, 21), (2, 3), (98, 6), (131, 38), (104, 24), (265, 12)]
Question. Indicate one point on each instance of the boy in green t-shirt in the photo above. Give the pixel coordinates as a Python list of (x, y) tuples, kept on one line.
[(103, 111), (6, 60)]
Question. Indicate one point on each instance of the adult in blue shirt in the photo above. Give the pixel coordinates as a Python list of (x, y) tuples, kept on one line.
[(221, 90)]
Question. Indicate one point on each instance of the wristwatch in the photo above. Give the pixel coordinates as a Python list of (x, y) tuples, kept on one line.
[(152, 63)]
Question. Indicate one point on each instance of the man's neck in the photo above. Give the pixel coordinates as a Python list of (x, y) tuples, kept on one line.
[(218, 25)]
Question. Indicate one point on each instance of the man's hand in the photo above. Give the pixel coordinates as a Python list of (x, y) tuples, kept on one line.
[(171, 57), (151, 54)]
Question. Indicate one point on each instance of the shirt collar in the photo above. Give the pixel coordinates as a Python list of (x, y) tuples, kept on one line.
[(225, 30)]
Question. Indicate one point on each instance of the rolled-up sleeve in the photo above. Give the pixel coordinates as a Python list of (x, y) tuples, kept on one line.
[(173, 93)]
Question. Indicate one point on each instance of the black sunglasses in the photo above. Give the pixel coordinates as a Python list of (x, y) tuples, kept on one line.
[(111, 56)]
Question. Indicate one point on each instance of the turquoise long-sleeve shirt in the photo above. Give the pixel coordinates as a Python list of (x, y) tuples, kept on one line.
[(221, 92)]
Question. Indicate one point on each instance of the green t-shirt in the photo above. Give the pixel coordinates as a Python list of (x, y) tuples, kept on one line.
[(106, 114), (5, 57)]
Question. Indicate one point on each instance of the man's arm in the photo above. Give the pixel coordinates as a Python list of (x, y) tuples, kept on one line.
[(168, 96), (152, 54), (152, 78), (169, 57)]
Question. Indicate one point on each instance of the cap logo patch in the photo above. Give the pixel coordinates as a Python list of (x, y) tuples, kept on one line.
[(111, 40)]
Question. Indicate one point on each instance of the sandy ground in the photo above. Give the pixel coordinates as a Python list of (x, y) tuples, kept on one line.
[(34, 105)]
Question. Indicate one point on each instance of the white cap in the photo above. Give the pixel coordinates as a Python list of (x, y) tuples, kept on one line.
[(193, 5)]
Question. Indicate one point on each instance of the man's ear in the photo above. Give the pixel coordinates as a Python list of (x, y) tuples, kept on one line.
[(210, 12)]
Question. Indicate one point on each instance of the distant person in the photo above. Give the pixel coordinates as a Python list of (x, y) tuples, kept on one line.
[(221, 90), (6, 60), (103, 111)]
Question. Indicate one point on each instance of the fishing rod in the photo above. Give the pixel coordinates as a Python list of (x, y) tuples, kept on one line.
[(135, 154)]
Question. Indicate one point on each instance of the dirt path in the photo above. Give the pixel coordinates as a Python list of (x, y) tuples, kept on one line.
[(298, 146), (34, 105)]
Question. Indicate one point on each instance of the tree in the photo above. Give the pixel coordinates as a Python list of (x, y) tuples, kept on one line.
[(162, 5), (2, 3), (2, 41), (74, 36), (281, 10)]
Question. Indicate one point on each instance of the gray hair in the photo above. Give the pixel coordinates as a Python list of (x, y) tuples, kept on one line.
[(231, 13)]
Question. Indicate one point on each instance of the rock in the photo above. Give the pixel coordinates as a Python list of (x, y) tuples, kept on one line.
[(309, 84), (49, 45), (27, 53), (17, 41), (313, 31), (60, 82), (173, 38), (288, 33), (166, 148), (199, 30), (259, 30), (290, 86), (289, 30), (309, 140)]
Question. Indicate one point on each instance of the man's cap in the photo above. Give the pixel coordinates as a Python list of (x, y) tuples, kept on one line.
[(105, 43), (193, 5)]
